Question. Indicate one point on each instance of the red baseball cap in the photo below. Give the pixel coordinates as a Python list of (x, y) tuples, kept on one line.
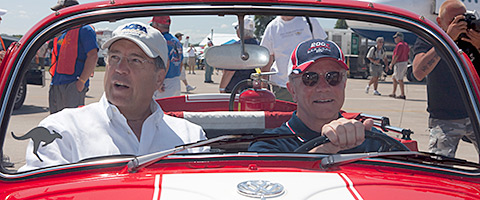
[(162, 20)]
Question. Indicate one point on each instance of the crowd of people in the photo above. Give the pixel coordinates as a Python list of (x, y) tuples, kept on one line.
[(145, 61)]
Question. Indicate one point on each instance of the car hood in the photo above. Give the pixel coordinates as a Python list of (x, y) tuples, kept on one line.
[(252, 180)]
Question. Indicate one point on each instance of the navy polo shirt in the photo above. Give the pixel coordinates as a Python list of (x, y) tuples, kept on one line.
[(303, 134)]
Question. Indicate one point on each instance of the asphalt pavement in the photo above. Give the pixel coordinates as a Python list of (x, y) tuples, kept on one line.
[(410, 113)]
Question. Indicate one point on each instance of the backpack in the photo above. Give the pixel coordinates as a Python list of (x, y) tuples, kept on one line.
[(367, 61)]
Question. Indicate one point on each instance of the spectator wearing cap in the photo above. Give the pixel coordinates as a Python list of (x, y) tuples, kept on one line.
[(317, 81), (183, 76), (126, 120), (171, 86), (208, 68), (230, 78), (191, 62), (399, 64), (75, 55), (281, 36)]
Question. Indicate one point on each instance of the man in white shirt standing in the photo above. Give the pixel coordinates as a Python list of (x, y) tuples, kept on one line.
[(126, 120), (281, 36)]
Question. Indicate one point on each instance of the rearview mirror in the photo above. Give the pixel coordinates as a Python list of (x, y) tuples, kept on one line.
[(230, 56)]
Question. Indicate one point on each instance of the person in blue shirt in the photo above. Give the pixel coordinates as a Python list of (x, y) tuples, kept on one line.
[(317, 81), (171, 84), (76, 58)]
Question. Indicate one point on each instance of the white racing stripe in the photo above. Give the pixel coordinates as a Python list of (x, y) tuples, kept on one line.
[(156, 187), (351, 187), (297, 185)]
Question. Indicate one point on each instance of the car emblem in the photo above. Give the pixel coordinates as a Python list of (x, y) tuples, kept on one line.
[(260, 189)]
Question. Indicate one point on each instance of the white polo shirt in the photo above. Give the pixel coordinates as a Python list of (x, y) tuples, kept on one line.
[(99, 129), (281, 37)]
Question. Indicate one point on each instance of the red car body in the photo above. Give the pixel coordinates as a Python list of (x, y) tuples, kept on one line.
[(219, 176)]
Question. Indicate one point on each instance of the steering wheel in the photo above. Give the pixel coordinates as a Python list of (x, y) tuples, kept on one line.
[(387, 142)]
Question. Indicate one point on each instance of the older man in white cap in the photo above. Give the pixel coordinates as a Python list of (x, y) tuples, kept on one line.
[(127, 120)]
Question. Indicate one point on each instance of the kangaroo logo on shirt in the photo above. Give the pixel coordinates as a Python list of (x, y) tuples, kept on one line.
[(38, 135)]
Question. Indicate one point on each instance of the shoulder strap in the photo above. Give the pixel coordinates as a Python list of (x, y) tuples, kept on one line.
[(310, 26), (3, 44)]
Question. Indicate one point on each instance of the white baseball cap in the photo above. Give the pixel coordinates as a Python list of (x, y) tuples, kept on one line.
[(248, 23), (149, 39), (2, 12)]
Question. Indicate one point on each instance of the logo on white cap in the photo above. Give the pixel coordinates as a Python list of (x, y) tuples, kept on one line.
[(149, 39)]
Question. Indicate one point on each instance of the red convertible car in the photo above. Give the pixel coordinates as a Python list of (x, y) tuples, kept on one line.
[(400, 169)]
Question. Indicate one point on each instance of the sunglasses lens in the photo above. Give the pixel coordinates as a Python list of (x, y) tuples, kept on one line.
[(310, 78), (333, 78)]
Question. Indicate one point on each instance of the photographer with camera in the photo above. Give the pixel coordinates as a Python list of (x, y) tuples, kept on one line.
[(469, 42), (448, 121), (378, 57)]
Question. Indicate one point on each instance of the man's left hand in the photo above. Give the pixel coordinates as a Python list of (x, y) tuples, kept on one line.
[(80, 85), (343, 134)]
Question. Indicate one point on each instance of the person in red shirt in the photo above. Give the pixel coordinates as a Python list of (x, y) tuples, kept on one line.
[(399, 65)]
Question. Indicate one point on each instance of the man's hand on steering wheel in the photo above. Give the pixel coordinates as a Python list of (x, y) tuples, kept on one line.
[(343, 134)]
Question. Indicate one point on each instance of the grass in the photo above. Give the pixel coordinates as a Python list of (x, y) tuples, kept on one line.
[(97, 68)]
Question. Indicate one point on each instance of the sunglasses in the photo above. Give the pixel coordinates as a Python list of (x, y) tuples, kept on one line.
[(333, 78)]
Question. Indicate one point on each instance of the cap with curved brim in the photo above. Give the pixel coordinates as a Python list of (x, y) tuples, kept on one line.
[(150, 40), (3, 12), (140, 44), (303, 67), (64, 3), (311, 51)]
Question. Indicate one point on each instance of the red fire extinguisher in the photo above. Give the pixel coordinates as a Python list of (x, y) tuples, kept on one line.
[(255, 98)]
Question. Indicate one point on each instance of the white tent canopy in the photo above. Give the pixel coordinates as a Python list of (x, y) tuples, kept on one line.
[(220, 38)]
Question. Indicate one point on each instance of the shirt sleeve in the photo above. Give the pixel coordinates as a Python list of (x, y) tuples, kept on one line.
[(420, 47), (318, 31), (370, 53), (88, 38), (179, 49), (267, 40)]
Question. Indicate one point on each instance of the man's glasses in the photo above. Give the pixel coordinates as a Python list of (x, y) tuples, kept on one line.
[(333, 78), (133, 61)]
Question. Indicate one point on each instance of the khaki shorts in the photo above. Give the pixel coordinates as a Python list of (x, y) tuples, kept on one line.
[(182, 75), (376, 70), (399, 70)]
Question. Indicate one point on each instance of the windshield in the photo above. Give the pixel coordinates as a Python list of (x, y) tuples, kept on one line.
[(192, 102)]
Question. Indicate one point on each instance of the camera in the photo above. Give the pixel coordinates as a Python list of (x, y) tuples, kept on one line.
[(473, 22)]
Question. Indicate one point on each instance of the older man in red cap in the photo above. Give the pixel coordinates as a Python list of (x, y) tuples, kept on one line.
[(171, 86), (317, 81)]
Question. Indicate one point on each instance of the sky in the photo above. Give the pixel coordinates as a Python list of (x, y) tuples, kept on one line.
[(23, 14)]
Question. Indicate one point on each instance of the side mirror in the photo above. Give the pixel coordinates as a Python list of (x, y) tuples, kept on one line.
[(230, 56)]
